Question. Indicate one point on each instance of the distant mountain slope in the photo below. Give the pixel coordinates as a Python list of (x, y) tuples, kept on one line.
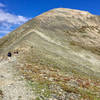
[(72, 35), (63, 38)]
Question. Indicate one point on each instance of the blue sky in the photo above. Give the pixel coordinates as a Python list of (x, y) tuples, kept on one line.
[(13, 13)]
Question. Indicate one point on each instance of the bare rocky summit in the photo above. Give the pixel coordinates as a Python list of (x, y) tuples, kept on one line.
[(55, 56)]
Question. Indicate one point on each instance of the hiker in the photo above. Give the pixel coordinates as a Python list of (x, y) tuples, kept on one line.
[(9, 54), (15, 52)]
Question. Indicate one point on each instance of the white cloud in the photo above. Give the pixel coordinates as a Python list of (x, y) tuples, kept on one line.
[(2, 5), (3, 32), (8, 20), (11, 18)]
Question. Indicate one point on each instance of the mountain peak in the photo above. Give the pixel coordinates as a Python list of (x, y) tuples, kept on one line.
[(58, 55), (65, 12), (71, 10)]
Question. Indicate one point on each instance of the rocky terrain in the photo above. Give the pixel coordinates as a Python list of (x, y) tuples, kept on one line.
[(55, 56)]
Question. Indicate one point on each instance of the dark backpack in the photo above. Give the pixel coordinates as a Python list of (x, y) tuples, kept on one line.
[(9, 54)]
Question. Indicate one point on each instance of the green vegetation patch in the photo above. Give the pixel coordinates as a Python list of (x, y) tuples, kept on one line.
[(40, 88), (1, 94)]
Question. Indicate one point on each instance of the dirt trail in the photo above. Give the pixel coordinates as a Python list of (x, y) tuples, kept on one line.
[(12, 85)]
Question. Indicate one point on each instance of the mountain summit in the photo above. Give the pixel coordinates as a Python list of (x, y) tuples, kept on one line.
[(61, 49)]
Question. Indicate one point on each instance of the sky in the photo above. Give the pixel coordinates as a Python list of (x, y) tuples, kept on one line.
[(14, 13)]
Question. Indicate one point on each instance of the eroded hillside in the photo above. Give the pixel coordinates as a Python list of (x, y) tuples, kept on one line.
[(58, 50)]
